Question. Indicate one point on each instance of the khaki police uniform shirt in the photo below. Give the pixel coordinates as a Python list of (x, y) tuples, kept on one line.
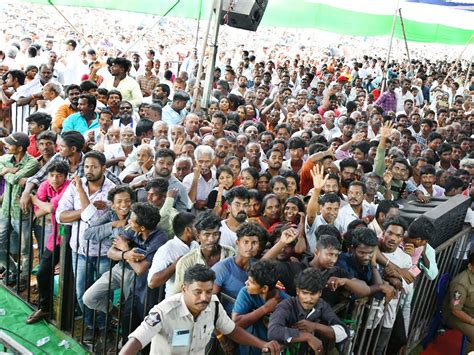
[(172, 321), (461, 296)]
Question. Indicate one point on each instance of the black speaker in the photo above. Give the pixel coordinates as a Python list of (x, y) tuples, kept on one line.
[(243, 14)]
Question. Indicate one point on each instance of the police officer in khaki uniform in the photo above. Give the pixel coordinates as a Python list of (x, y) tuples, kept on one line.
[(187, 320), (460, 314)]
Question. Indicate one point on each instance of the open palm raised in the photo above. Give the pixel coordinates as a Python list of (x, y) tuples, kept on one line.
[(318, 176)]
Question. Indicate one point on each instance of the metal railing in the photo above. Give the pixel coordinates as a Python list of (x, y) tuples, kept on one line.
[(127, 312)]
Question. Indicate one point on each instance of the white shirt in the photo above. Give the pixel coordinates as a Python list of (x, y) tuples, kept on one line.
[(171, 117), (334, 132), (52, 106), (228, 236), (204, 187), (347, 215), (402, 260), (401, 98), (438, 191), (128, 87), (311, 229), (167, 255), (114, 151)]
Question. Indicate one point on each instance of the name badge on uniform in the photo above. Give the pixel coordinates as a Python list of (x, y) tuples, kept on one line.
[(180, 338)]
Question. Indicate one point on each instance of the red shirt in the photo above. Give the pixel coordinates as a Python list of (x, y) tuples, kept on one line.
[(32, 148)]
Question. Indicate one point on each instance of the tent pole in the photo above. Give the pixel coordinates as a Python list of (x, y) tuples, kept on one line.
[(197, 85), (404, 34), (457, 60), (198, 24), (70, 24), (156, 23), (212, 54), (384, 79)]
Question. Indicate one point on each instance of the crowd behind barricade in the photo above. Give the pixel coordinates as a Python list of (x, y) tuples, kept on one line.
[(254, 217)]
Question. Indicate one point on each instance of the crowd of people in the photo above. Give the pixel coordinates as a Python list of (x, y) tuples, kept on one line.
[(257, 214)]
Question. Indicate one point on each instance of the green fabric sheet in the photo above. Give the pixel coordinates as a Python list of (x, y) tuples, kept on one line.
[(13, 323)]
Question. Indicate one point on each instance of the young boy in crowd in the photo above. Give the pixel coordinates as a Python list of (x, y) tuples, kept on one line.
[(45, 202), (306, 321), (256, 301)]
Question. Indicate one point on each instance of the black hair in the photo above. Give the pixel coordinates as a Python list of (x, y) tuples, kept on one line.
[(165, 88), (102, 91), (310, 280), (59, 166), (159, 184), (19, 75), (384, 207), (276, 179), (148, 216), (229, 159), (396, 221), (73, 139), (358, 183), (264, 273), (434, 135), (296, 201), (364, 236), (237, 192), (220, 115), (362, 146), (114, 92), (181, 221), (292, 174), (207, 220), (41, 119), (199, 273), (427, 170), (48, 135), (270, 151), (269, 197), (444, 147), (423, 228), (251, 229), (224, 169), (348, 162), (254, 193), (87, 85), (402, 161), (72, 87), (143, 126), (91, 100), (117, 190), (123, 62), (93, 154), (330, 197), (164, 153), (452, 183), (181, 95), (327, 241)]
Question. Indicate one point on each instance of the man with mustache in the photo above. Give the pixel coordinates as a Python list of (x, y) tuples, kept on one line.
[(164, 160), (200, 183), (238, 200), (209, 253), (358, 207), (184, 323)]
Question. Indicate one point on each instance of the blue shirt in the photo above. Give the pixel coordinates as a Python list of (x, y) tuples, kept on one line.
[(230, 278), (77, 122), (171, 117), (154, 241), (246, 303), (347, 262)]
